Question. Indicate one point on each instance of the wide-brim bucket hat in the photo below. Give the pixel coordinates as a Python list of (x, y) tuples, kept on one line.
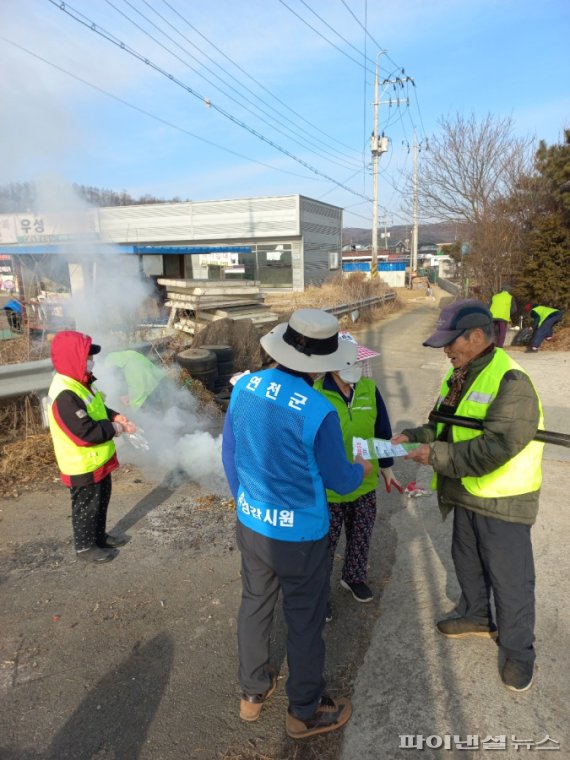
[(309, 342)]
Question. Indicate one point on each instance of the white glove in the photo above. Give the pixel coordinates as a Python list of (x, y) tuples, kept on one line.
[(390, 480)]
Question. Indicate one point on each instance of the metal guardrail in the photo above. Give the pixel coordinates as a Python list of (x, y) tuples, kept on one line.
[(27, 377), (35, 377), (345, 308), (449, 286)]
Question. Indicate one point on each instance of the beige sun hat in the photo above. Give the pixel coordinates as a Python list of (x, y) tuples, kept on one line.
[(309, 342)]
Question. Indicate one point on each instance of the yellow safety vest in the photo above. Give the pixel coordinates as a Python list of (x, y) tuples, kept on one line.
[(71, 458), (501, 306), (543, 312), (522, 473)]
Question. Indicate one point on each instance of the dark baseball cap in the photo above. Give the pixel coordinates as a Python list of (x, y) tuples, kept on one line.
[(95, 349), (454, 320)]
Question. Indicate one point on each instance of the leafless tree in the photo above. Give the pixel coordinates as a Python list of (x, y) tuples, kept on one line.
[(467, 174), (469, 166)]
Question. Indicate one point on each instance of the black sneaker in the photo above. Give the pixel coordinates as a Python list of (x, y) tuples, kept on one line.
[(360, 591), (112, 542), (461, 628), (96, 554), (329, 715), (517, 675), (328, 613)]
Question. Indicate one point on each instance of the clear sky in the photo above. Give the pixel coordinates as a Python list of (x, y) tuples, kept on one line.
[(266, 97)]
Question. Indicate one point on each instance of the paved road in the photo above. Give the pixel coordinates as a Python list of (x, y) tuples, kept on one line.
[(413, 681)]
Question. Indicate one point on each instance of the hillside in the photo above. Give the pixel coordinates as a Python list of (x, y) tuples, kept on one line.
[(441, 232)]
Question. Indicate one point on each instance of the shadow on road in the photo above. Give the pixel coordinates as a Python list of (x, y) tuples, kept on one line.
[(114, 718), (142, 508)]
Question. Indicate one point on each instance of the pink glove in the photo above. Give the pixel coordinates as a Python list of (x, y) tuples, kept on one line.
[(390, 480)]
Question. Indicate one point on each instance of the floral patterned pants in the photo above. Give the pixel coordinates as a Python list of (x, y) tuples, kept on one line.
[(89, 513), (358, 517)]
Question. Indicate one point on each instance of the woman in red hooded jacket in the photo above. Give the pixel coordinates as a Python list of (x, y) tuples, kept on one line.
[(82, 430)]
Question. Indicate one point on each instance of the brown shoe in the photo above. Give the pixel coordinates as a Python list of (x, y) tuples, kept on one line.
[(329, 715), (251, 704), (461, 628)]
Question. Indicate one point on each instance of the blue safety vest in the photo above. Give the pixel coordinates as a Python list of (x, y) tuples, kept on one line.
[(275, 418)]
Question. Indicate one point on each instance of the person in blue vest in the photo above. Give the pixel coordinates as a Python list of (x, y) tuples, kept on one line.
[(543, 320), (362, 414), (490, 479), (282, 447), (82, 430), (503, 308)]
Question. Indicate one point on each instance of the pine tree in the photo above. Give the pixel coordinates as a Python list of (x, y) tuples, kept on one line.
[(544, 277)]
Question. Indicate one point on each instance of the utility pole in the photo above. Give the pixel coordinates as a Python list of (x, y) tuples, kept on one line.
[(379, 145), (376, 150), (414, 257)]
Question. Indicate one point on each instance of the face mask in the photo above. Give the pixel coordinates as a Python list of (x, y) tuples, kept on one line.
[(89, 365), (351, 374)]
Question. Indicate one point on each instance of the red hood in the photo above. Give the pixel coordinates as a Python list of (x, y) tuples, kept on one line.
[(69, 352)]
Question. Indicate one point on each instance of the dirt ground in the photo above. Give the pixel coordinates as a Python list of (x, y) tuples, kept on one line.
[(137, 659)]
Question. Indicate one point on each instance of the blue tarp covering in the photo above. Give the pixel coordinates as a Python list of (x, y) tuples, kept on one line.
[(383, 266), (356, 266)]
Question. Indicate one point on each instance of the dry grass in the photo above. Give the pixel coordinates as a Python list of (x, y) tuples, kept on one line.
[(20, 418), (26, 463), (560, 340), (339, 289)]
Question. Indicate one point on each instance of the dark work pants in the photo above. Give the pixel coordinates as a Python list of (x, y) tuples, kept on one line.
[(545, 329), (494, 554), (500, 330), (301, 570), (89, 513)]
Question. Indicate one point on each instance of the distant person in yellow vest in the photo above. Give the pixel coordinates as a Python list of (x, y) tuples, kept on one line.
[(502, 308), (543, 320), (82, 430), (491, 480)]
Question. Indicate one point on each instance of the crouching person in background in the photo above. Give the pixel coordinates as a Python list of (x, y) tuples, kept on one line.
[(82, 430)]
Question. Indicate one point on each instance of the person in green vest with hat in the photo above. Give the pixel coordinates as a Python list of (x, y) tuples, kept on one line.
[(543, 320), (502, 307), (363, 414), (490, 479)]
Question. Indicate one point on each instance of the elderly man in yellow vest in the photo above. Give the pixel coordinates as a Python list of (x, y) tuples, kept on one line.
[(82, 430), (490, 479), (502, 308)]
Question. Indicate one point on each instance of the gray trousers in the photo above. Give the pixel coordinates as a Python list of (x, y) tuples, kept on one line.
[(301, 570), (494, 554)]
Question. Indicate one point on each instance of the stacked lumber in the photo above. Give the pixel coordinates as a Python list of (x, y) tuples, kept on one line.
[(196, 303)]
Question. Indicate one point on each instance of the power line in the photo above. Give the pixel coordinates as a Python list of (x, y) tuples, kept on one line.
[(306, 144), (148, 113), (304, 21), (88, 23), (243, 71)]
